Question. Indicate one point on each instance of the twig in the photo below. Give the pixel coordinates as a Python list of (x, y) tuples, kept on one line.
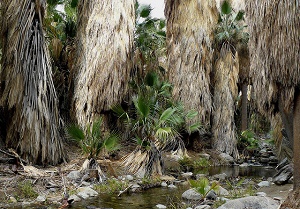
[(14, 155), (125, 190)]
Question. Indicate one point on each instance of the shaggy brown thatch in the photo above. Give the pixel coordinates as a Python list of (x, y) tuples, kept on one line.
[(274, 50), (27, 90), (103, 57), (190, 26), (275, 69), (225, 93)]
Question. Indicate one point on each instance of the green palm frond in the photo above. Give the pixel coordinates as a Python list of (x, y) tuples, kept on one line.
[(75, 132), (111, 143)]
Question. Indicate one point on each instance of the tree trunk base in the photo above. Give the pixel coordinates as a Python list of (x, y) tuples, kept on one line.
[(292, 201)]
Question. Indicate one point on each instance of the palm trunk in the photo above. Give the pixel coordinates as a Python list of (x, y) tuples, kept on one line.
[(27, 90), (225, 93), (296, 125), (103, 58), (244, 107), (190, 27)]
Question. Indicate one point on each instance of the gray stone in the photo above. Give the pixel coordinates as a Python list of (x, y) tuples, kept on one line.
[(163, 184), (211, 195), (161, 206), (187, 175), (129, 177), (86, 192), (264, 184), (221, 176), (222, 192), (172, 186), (283, 163), (191, 194), (283, 175), (200, 176), (204, 155), (226, 158), (244, 165), (202, 207), (74, 175), (40, 198), (12, 200), (264, 160), (75, 198), (261, 194), (253, 202)]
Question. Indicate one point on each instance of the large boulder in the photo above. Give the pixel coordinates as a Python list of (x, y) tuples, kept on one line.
[(227, 159), (191, 194), (283, 175), (253, 202)]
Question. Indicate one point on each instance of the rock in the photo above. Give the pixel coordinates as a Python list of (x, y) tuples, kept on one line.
[(52, 189), (84, 183), (283, 175), (129, 177), (74, 175), (191, 194), (263, 184), (222, 192), (187, 175), (204, 155), (161, 206), (202, 207), (283, 163), (163, 184), (167, 178), (244, 165), (12, 200), (40, 199), (261, 194), (221, 176), (253, 202), (200, 176), (172, 186), (211, 195), (86, 192), (226, 158), (75, 198), (264, 160)]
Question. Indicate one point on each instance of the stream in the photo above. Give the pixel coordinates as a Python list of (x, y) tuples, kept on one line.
[(150, 198)]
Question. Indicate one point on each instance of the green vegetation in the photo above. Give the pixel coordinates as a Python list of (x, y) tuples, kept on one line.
[(236, 189), (230, 28), (200, 164), (155, 121), (111, 186), (202, 186), (93, 141), (25, 190), (248, 141)]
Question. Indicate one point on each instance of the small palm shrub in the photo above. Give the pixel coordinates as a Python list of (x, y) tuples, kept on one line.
[(247, 141), (203, 187), (155, 122), (93, 140), (230, 29)]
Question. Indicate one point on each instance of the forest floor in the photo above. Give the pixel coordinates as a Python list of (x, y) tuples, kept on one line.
[(51, 181)]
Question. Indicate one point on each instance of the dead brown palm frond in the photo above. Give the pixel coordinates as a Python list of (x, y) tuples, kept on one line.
[(274, 48), (103, 56), (29, 94), (225, 94), (190, 53)]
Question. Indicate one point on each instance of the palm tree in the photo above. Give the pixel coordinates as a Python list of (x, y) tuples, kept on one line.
[(229, 35), (155, 123), (274, 51), (103, 56), (27, 92), (190, 27)]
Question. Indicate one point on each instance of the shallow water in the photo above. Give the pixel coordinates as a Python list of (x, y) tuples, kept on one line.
[(150, 198), (146, 199)]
